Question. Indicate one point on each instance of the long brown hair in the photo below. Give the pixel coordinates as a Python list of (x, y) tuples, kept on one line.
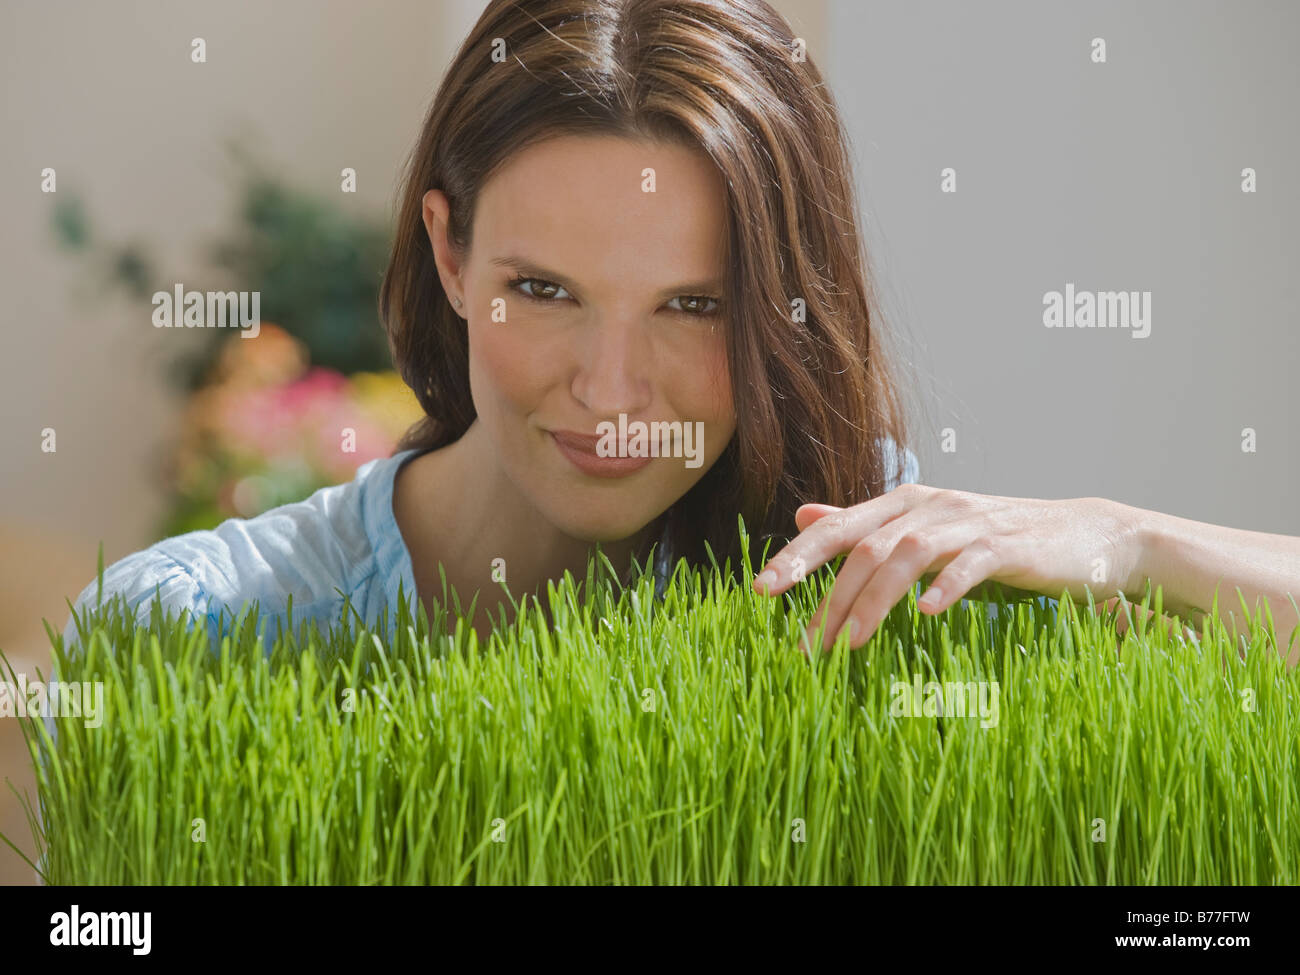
[(814, 395)]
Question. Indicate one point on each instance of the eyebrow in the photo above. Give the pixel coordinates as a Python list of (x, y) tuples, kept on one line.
[(525, 266)]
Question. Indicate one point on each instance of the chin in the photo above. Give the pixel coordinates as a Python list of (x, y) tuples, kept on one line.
[(598, 526)]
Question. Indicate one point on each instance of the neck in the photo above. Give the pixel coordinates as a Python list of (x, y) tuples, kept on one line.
[(457, 509)]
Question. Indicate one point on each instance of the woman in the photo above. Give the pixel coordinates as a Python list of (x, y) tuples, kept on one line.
[(626, 212)]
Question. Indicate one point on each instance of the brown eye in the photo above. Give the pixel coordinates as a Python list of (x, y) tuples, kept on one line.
[(537, 289), (697, 305)]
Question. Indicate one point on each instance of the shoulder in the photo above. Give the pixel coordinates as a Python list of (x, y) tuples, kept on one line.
[(310, 550), (899, 469)]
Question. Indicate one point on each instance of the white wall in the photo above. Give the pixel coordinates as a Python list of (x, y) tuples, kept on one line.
[(1124, 175)]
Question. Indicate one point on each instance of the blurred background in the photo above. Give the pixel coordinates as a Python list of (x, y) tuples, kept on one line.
[(226, 175)]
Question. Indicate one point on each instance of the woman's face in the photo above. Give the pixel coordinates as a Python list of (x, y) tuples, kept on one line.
[(623, 325)]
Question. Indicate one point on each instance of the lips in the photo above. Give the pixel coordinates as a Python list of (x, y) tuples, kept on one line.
[(578, 441), (580, 450)]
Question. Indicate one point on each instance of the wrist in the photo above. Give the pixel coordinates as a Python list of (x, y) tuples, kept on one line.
[(1146, 533)]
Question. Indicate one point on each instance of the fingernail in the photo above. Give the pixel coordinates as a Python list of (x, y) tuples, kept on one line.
[(931, 598), (766, 579)]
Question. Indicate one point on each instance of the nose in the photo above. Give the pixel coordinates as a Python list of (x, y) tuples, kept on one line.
[(614, 367)]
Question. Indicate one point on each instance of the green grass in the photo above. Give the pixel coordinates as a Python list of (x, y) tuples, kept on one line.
[(685, 740)]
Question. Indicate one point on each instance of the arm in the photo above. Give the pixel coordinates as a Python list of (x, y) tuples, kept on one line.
[(1042, 546), (1190, 560)]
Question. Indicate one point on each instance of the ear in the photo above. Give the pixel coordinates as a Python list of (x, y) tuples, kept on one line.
[(436, 212)]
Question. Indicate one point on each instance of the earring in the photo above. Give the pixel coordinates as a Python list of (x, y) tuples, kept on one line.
[(458, 302)]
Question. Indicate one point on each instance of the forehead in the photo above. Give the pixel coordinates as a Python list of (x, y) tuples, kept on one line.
[(581, 203)]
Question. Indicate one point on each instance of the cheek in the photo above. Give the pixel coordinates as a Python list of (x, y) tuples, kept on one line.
[(713, 377), (502, 369), (701, 391)]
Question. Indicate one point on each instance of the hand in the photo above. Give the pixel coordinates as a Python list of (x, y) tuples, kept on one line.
[(1124, 620), (916, 531)]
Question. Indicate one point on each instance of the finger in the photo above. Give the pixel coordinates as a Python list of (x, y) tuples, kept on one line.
[(1123, 622), (1120, 621), (809, 513), (910, 558), (977, 562), (805, 643), (1170, 625), (920, 545), (831, 534)]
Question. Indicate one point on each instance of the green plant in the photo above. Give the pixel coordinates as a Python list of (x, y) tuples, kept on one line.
[(632, 739), (316, 266)]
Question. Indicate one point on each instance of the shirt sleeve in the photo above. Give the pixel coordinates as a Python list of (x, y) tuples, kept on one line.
[(136, 578), (911, 473), (310, 550), (911, 468)]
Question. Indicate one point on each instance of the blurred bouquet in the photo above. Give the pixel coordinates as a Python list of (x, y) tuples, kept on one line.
[(269, 419), (268, 428)]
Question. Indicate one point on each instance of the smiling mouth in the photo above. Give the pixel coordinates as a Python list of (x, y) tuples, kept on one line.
[(580, 450)]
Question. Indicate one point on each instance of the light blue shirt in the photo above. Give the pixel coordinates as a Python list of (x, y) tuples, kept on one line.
[(341, 541)]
